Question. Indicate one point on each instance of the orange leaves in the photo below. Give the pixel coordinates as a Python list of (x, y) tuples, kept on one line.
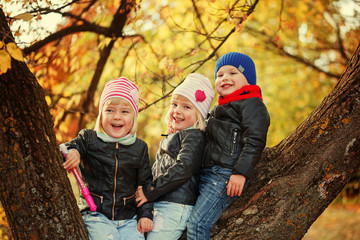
[(4, 225), (194, 51), (237, 18), (8, 51), (322, 128), (324, 125), (329, 176), (346, 120), (276, 40)]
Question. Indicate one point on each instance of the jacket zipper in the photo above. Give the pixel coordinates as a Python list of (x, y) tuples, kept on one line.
[(233, 143), (116, 166)]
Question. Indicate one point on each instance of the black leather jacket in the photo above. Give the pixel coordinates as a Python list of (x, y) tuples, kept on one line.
[(236, 135), (177, 167), (113, 172)]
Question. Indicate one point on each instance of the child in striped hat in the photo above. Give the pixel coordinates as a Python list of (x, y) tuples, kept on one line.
[(114, 163), (174, 188)]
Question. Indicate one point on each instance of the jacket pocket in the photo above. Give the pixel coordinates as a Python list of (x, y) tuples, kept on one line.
[(129, 200), (98, 200)]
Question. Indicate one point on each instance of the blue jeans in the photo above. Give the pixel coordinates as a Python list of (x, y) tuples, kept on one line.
[(169, 220), (99, 227), (211, 202)]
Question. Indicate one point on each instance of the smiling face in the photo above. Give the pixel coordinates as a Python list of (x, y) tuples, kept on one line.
[(228, 80), (117, 118), (182, 113)]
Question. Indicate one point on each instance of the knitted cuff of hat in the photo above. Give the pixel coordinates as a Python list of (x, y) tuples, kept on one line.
[(248, 91)]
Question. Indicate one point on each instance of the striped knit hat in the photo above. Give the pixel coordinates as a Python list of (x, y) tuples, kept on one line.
[(122, 88), (198, 89)]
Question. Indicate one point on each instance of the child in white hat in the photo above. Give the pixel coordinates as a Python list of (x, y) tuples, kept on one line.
[(174, 188), (114, 163)]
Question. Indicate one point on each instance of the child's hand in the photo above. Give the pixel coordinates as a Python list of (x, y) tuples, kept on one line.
[(145, 225), (72, 160), (235, 185), (140, 196)]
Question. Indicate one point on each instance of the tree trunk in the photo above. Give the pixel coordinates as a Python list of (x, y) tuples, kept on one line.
[(297, 179), (35, 191)]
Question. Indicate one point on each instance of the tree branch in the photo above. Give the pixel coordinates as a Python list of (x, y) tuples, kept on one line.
[(282, 51), (114, 30), (202, 62), (64, 32)]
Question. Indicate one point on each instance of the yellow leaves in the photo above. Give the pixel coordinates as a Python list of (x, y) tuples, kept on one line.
[(5, 61), (7, 52), (48, 100), (14, 51), (166, 64), (104, 43)]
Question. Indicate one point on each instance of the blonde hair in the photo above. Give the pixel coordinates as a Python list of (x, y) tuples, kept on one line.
[(115, 100), (199, 119)]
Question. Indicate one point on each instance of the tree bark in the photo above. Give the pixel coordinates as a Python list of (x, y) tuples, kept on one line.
[(35, 191), (297, 179)]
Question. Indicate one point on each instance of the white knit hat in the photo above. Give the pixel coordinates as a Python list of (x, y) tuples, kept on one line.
[(122, 88), (198, 89)]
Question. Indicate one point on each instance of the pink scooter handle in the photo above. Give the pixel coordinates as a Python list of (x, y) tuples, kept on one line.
[(83, 188)]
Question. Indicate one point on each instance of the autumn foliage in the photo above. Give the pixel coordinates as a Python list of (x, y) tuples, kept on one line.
[(300, 49)]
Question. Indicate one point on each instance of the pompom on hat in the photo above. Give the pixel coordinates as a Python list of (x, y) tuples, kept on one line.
[(198, 89), (122, 88), (241, 61)]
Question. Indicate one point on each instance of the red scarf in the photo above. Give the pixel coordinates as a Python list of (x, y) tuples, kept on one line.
[(248, 91)]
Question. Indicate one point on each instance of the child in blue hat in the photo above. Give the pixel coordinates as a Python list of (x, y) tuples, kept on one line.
[(236, 131)]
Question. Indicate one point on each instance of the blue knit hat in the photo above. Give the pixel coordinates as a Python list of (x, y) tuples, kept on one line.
[(241, 61)]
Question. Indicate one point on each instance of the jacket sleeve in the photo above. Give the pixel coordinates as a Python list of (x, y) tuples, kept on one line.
[(145, 178), (188, 162), (79, 143), (254, 126)]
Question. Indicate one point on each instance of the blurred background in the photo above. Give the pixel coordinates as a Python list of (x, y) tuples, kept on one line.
[(300, 49)]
